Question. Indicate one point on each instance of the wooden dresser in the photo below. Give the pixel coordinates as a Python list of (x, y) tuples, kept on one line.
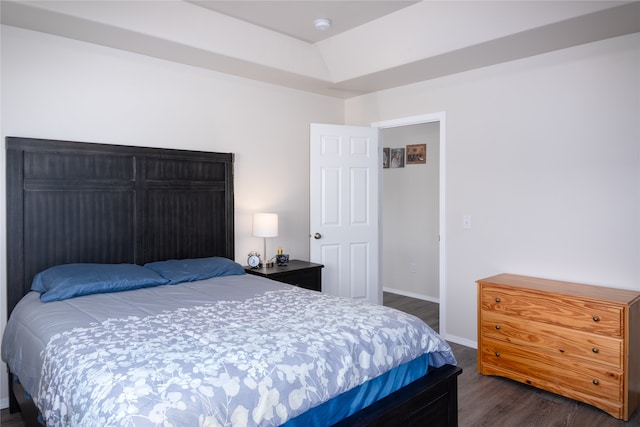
[(579, 341)]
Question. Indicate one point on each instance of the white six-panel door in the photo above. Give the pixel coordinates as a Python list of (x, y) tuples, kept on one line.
[(344, 205)]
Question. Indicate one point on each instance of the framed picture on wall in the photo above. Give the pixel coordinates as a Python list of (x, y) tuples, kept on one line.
[(416, 154), (397, 157), (385, 157)]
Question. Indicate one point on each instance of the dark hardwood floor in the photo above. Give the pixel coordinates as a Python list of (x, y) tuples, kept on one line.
[(493, 401), (10, 420), (486, 401)]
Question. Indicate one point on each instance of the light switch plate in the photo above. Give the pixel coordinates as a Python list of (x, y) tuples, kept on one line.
[(466, 222)]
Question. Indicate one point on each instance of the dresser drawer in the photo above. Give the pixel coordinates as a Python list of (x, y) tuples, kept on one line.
[(580, 341), (552, 339), (559, 309), (555, 374)]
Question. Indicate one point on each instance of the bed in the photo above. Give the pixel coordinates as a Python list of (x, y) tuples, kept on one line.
[(168, 214)]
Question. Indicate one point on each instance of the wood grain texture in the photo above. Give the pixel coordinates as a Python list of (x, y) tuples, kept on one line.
[(565, 338), (553, 339), (488, 401), (584, 291), (555, 308)]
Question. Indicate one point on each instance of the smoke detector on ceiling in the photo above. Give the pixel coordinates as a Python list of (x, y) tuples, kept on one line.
[(322, 24)]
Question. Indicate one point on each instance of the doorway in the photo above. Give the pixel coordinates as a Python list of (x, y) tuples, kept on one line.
[(419, 252), (410, 213)]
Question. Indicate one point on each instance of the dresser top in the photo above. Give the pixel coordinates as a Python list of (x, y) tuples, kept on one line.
[(567, 288)]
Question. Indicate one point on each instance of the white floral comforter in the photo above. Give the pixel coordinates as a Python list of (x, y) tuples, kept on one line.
[(259, 361)]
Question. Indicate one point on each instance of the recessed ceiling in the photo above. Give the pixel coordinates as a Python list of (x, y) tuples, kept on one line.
[(295, 18), (373, 45)]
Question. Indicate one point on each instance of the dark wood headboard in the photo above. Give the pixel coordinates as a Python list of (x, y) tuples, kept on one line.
[(71, 202)]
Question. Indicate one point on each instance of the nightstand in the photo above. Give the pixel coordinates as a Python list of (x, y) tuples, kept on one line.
[(299, 273)]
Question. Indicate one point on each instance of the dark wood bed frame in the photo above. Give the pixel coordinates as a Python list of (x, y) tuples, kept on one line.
[(82, 202)]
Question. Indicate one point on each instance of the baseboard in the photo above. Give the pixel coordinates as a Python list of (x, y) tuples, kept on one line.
[(462, 341), (453, 338), (411, 295), (4, 403)]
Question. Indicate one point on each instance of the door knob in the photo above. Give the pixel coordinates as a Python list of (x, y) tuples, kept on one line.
[(317, 236)]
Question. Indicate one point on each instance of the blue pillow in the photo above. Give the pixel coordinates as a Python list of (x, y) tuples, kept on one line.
[(73, 280), (190, 270)]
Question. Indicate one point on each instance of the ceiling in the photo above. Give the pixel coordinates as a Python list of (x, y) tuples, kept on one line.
[(296, 18), (372, 46)]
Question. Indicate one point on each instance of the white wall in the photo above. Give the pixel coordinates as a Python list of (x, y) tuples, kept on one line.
[(544, 154), (410, 210), (57, 88)]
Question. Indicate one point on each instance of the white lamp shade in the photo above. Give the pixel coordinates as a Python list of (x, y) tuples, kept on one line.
[(265, 224)]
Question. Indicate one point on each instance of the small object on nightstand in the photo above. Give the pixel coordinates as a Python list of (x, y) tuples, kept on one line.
[(282, 259), (254, 260)]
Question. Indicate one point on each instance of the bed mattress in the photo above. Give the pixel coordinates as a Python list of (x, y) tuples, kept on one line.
[(233, 350)]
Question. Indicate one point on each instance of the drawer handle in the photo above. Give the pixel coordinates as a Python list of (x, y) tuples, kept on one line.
[(595, 382), (498, 327), (596, 318), (595, 349), (497, 299), (497, 354)]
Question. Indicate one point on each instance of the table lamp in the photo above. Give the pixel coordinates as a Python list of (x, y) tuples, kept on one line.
[(265, 225)]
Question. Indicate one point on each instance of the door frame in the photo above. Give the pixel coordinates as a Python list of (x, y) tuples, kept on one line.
[(442, 252)]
